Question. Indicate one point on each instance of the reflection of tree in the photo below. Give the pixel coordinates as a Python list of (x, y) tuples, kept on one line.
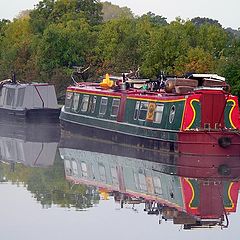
[(49, 186)]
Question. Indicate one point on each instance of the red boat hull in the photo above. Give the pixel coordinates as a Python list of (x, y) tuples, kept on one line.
[(209, 143)]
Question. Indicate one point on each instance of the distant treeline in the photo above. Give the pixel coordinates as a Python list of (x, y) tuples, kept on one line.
[(45, 44)]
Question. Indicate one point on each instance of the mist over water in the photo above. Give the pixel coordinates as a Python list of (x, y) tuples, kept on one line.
[(55, 184)]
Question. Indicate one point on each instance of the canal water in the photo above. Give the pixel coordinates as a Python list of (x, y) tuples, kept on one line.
[(55, 184)]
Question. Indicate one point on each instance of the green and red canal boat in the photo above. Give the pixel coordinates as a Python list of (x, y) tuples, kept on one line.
[(192, 115)]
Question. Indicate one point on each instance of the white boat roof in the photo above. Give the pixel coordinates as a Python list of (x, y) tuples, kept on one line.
[(210, 76), (11, 85)]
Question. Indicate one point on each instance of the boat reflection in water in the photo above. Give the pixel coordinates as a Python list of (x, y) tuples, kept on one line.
[(194, 191), (31, 144)]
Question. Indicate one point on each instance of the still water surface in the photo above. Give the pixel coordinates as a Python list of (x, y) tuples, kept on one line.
[(56, 185)]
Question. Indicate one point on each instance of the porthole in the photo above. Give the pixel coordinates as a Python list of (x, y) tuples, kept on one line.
[(172, 114)]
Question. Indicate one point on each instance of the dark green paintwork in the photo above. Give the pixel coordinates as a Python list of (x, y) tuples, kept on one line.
[(196, 188), (165, 124), (164, 130), (228, 108), (197, 121)]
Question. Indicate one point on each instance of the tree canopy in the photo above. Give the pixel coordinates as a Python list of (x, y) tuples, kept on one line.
[(112, 11), (45, 43)]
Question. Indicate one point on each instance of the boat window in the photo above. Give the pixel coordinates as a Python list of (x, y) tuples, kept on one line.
[(67, 166), (10, 96), (84, 104), (158, 113), (115, 107), (68, 99), (20, 97), (93, 106), (114, 175), (136, 112), (172, 114), (136, 180), (84, 169), (1, 97), (74, 168), (102, 173), (143, 110), (103, 106), (76, 97), (142, 182), (157, 185)]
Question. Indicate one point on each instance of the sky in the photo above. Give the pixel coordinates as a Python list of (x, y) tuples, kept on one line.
[(226, 12)]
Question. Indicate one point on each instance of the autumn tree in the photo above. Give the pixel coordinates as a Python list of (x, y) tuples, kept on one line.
[(16, 49), (196, 60), (45, 43), (112, 11)]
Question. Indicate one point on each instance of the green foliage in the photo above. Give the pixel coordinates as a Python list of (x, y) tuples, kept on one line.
[(229, 66), (117, 45), (199, 21), (3, 24), (15, 48), (46, 43), (65, 45), (212, 39), (196, 60), (52, 11), (167, 44), (40, 16), (155, 19)]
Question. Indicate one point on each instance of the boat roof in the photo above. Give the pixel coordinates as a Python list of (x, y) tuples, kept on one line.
[(14, 85), (206, 75), (131, 93), (167, 87)]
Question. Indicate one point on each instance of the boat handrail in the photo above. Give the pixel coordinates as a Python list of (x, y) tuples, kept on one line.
[(43, 105)]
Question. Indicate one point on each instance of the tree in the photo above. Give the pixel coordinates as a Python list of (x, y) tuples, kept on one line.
[(212, 39), (196, 60), (199, 21), (40, 16), (167, 44), (52, 11), (16, 49), (117, 45), (24, 14), (229, 66), (155, 19), (65, 45), (3, 24), (111, 11)]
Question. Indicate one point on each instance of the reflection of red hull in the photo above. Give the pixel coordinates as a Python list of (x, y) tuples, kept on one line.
[(206, 199), (207, 143), (200, 166)]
